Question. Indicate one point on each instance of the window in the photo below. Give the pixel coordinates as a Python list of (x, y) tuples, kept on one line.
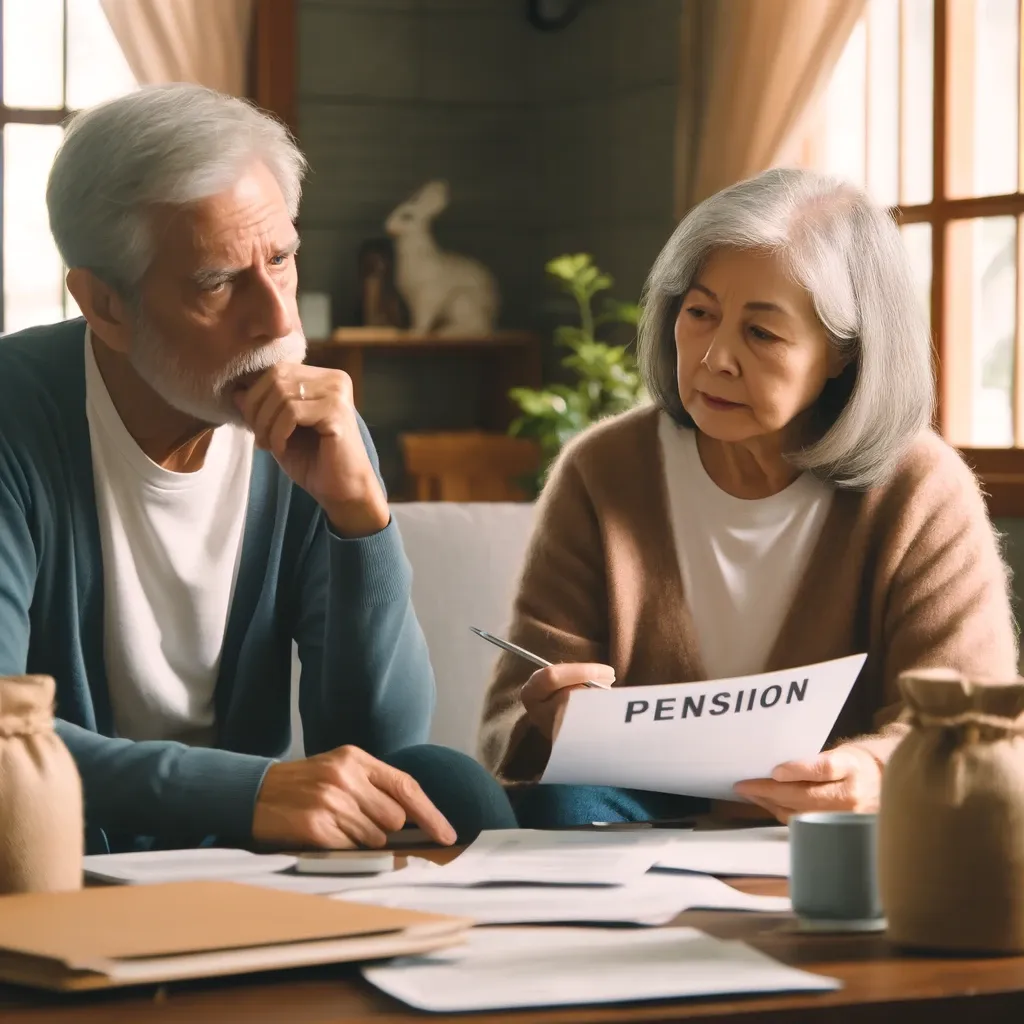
[(924, 109), (58, 57)]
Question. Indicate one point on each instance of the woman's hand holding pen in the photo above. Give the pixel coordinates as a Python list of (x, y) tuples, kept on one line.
[(546, 692)]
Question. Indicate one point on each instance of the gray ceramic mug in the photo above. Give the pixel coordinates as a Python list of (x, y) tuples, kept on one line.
[(833, 871)]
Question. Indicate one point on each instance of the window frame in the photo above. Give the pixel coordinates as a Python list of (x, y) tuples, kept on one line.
[(273, 74), (272, 83), (20, 115), (1001, 470)]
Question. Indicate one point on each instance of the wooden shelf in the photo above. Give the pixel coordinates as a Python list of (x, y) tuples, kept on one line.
[(509, 359), (392, 338)]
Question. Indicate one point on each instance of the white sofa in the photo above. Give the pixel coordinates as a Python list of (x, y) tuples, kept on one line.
[(466, 560)]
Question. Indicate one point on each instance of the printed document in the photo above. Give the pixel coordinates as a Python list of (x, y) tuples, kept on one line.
[(546, 857), (506, 968), (654, 899), (699, 739), (209, 864), (740, 851)]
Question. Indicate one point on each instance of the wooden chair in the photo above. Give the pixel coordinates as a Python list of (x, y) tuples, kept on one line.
[(468, 466)]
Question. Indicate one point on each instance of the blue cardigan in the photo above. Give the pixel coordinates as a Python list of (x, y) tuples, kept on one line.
[(366, 676)]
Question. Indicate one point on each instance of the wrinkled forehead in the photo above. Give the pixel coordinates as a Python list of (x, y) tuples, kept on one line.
[(756, 277), (248, 221)]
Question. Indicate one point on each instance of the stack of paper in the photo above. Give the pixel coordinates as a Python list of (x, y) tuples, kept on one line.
[(507, 968), (744, 851), (275, 871), (554, 858), (205, 865), (654, 899), (535, 877), (516, 876)]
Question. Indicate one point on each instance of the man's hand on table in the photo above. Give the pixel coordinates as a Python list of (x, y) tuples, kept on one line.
[(845, 779), (339, 800)]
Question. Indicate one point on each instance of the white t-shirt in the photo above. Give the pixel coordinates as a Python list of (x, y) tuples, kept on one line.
[(171, 544), (741, 560)]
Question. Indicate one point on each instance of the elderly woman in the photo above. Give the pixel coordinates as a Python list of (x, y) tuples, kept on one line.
[(782, 502)]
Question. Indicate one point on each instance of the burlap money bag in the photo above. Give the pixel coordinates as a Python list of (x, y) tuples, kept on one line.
[(951, 822), (40, 793)]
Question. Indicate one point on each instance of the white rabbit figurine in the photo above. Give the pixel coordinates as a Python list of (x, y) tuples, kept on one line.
[(443, 290)]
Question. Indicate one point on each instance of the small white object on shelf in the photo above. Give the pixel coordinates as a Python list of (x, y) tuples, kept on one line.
[(315, 314), (445, 291)]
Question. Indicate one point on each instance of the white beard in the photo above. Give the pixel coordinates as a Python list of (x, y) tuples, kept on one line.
[(210, 399)]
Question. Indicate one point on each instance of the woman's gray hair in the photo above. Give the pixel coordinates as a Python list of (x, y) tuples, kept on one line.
[(165, 144), (848, 254)]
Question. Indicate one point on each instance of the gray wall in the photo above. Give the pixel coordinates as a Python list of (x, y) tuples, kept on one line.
[(552, 142), (606, 90)]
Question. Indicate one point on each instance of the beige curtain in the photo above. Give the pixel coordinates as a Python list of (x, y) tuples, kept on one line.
[(750, 69), (200, 41)]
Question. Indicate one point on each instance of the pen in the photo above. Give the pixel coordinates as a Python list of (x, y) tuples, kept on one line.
[(523, 653)]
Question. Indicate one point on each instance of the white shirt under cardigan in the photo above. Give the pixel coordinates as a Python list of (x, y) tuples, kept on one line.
[(171, 544), (740, 560)]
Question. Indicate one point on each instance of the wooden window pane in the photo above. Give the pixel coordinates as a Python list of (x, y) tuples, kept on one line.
[(917, 108), (845, 145), (883, 20), (917, 239), (1018, 344), (97, 69), (984, 74), (33, 274), (33, 54), (981, 316)]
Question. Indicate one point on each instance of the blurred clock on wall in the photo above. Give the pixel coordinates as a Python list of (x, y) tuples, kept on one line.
[(553, 14)]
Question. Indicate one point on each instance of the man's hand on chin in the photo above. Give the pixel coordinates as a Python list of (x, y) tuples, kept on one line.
[(305, 416)]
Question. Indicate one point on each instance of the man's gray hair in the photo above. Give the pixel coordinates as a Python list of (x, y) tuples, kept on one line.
[(848, 254), (165, 144)]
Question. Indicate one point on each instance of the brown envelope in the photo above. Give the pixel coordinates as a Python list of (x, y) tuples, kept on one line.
[(123, 935)]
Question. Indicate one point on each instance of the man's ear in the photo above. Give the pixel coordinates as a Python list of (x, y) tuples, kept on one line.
[(103, 307)]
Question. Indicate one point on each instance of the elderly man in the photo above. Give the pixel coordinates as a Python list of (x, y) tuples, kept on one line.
[(181, 498)]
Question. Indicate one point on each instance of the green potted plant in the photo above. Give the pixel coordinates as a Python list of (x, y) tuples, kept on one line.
[(606, 377)]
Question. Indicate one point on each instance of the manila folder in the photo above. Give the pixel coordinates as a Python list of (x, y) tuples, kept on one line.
[(141, 934)]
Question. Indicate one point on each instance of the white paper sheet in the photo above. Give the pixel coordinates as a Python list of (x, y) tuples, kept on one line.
[(699, 739), (742, 851), (208, 864), (312, 885), (504, 968), (546, 857), (654, 899)]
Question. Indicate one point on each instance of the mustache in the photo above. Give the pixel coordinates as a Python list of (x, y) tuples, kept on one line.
[(251, 365)]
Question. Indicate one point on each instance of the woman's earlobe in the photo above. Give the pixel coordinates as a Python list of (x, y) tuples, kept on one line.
[(837, 362)]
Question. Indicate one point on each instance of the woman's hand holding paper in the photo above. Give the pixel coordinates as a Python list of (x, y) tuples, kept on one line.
[(844, 779)]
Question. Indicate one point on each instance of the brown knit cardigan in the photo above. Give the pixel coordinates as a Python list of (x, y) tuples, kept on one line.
[(908, 572)]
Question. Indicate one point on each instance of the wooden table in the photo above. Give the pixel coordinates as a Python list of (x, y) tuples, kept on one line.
[(881, 985)]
